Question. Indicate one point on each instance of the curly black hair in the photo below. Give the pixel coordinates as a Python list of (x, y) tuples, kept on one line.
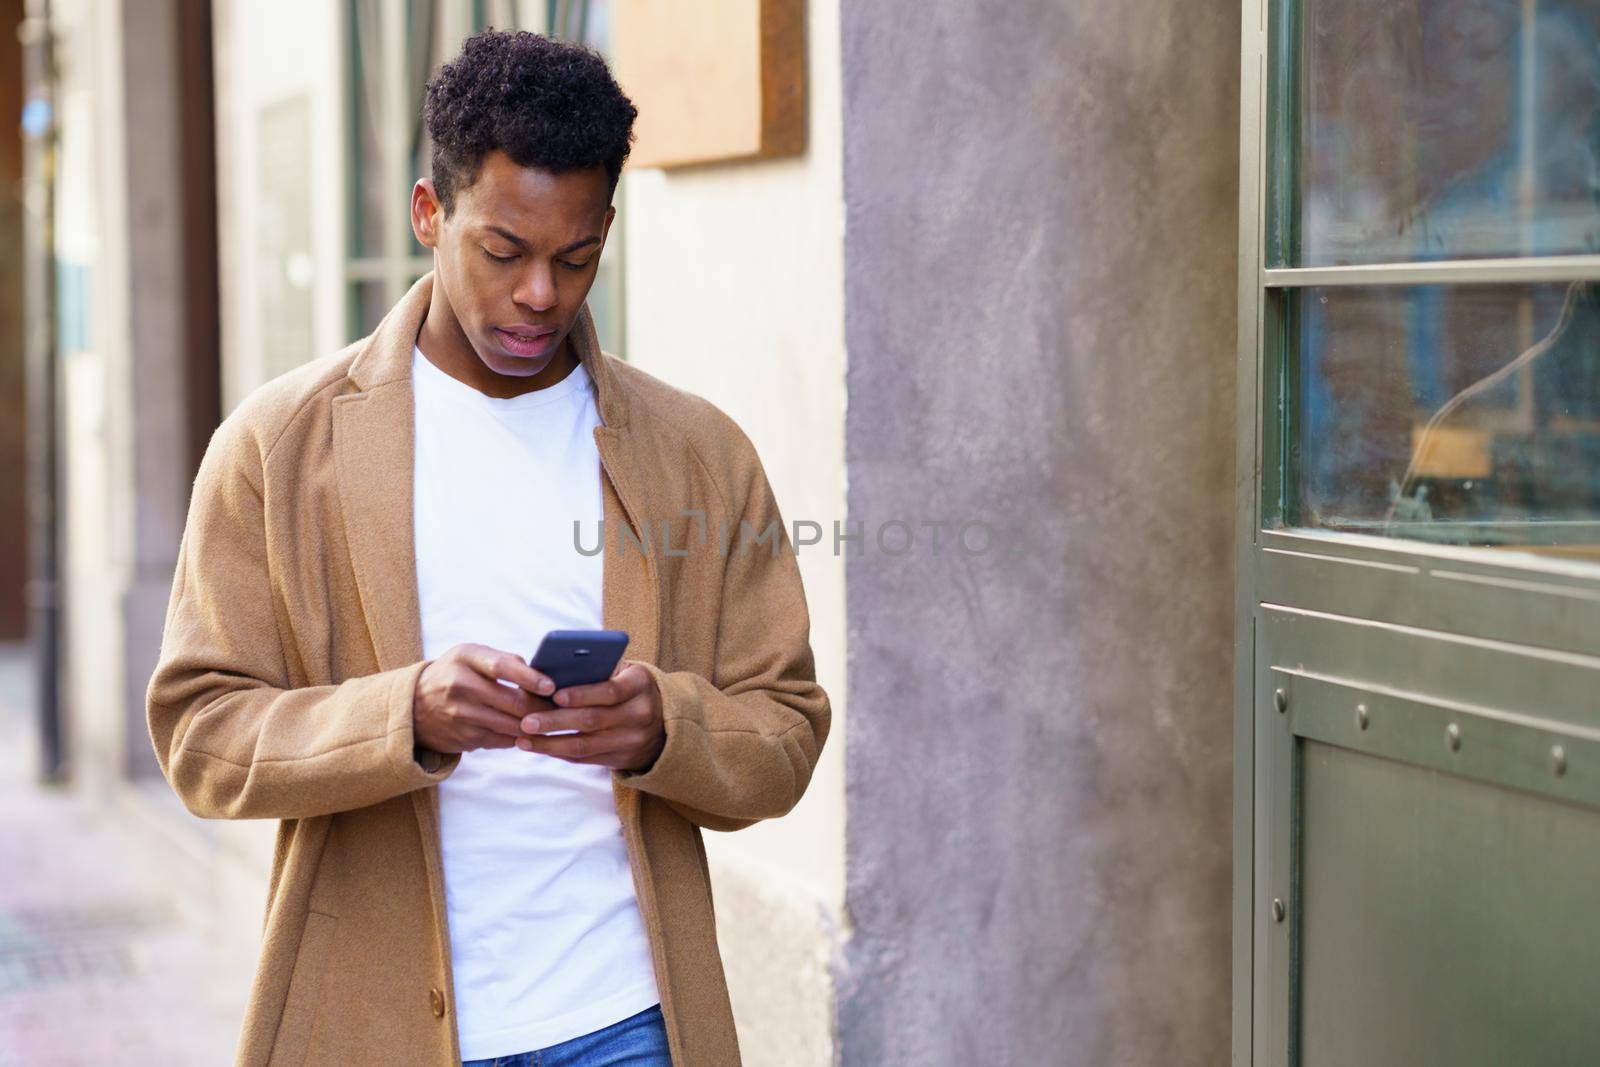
[(545, 103)]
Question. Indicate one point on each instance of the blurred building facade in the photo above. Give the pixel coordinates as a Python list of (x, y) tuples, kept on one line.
[(965, 880)]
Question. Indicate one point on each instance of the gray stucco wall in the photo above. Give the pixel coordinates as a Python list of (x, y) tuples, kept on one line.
[(1040, 273)]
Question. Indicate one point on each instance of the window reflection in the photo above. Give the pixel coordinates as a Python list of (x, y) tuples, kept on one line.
[(1466, 414), (1445, 129)]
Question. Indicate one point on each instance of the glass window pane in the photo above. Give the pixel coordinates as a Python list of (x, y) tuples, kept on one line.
[(597, 25), (370, 200), (429, 46), (1467, 414), (368, 304), (605, 298), (1446, 129)]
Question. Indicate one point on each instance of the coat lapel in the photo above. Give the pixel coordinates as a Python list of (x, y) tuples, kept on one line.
[(373, 445), (628, 588)]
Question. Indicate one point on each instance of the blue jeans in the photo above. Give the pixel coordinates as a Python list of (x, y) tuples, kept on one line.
[(637, 1041)]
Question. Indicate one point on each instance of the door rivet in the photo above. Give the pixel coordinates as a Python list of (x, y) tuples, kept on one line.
[(1558, 760), (1452, 735), (1277, 910), (1280, 700), (1361, 716)]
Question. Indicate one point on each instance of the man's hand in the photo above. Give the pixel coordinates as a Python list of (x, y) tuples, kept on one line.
[(459, 705), (618, 721)]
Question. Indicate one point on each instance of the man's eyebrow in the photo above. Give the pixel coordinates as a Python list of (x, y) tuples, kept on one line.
[(593, 239), (508, 235), (574, 246)]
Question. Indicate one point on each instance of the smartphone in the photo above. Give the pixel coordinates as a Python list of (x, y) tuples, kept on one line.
[(579, 657)]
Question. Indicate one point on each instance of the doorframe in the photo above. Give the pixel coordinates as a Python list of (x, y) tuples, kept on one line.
[(1248, 423)]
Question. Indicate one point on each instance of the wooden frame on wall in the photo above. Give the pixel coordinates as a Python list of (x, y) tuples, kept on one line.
[(715, 81)]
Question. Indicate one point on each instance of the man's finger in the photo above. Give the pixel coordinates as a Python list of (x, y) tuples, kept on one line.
[(508, 699), (585, 746), (491, 739), (635, 713), (624, 685), (494, 664), (477, 716)]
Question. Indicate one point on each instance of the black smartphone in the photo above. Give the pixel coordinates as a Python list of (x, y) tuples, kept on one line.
[(579, 657)]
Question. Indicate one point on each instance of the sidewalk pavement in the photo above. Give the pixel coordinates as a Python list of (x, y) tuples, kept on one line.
[(101, 961)]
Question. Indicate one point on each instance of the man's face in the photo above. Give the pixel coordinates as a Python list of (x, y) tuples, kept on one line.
[(517, 256)]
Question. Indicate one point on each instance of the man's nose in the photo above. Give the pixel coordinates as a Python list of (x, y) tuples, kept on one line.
[(538, 288)]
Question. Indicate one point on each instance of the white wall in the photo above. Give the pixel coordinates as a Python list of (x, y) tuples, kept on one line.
[(267, 54), (735, 291)]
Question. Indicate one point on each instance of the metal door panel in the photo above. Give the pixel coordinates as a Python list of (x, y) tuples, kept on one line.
[(1562, 687), (1429, 804), (1518, 597), (1442, 920)]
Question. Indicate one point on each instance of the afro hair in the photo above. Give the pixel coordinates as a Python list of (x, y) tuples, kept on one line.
[(545, 103)]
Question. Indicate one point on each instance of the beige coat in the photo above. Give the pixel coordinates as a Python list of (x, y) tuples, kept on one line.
[(291, 653)]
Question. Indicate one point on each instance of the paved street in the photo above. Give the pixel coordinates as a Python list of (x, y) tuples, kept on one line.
[(98, 963)]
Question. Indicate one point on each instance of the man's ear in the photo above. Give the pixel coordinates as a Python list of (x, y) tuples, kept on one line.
[(605, 227), (426, 213)]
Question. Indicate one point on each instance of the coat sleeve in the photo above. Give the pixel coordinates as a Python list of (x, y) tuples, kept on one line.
[(231, 736), (741, 746)]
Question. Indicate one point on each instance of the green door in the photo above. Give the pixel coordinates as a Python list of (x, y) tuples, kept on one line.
[(1417, 853)]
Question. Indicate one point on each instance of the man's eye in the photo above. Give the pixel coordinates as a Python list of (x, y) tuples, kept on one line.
[(572, 266), (498, 259)]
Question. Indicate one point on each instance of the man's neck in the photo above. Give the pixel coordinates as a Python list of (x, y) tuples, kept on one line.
[(445, 345)]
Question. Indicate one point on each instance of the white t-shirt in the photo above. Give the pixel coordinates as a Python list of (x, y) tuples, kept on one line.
[(547, 943)]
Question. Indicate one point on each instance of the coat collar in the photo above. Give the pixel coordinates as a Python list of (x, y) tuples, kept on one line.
[(386, 356)]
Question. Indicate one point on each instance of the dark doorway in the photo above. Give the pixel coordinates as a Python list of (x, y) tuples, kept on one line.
[(13, 393), (202, 332)]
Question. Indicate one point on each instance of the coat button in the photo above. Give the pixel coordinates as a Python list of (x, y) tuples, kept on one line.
[(436, 999)]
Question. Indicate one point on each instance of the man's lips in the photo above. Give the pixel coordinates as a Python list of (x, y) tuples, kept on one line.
[(525, 340)]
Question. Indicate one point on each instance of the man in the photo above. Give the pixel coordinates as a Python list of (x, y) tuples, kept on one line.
[(470, 865)]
